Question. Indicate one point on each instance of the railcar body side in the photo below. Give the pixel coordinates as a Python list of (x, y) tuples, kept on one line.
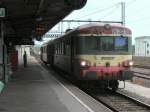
[(44, 55), (97, 52), (47, 53)]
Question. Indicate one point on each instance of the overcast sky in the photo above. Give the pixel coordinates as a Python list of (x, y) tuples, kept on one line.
[(137, 14)]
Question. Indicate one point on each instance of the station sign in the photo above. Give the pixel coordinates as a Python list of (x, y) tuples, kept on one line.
[(2, 12), (51, 35), (25, 41)]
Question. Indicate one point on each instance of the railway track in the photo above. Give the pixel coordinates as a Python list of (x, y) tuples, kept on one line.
[(119, 102), (142, 75), (144, 71)]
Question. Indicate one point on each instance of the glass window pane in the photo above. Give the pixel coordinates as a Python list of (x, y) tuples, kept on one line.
[(107, 44), (121, 43)]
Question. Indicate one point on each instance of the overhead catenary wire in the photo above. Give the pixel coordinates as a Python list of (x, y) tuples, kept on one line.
[(128, 4), (98, 11), (140, 19), (110, 12)]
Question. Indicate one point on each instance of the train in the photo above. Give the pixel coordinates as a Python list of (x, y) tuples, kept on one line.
[(99, 53)]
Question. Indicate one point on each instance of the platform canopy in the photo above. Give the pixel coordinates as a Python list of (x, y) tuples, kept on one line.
[(28, 19)]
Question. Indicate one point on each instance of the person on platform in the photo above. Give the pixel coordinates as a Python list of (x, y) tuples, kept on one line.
[(25, 59)]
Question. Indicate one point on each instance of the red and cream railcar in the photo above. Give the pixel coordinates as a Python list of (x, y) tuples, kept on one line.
[(95, 52)]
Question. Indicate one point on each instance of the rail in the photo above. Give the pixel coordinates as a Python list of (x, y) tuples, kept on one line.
[(119, 102)]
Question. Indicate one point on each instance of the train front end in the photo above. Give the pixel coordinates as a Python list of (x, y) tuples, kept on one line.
[(104, 53)]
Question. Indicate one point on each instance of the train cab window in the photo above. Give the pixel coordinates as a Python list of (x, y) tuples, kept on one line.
[(86, 44), (100, 44), (90, 43), (121, 43), (107, 43)]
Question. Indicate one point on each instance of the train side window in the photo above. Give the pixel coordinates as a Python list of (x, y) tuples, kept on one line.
[(64, 50), (62, 47), (56, 48), (41, 50), (68, 48), (59, 47), (45, 49)]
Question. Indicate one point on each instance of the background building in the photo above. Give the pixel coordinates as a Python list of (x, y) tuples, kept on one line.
[(142, 46)]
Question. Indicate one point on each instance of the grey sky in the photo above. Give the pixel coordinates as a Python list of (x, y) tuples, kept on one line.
[(137, 14)]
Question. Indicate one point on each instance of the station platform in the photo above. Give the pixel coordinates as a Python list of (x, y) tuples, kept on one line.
[(137, 89), (35, 89)]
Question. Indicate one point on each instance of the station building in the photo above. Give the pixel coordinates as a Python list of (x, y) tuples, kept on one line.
[(142, 46)]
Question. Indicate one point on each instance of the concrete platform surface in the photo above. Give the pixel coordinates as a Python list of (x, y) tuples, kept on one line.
[(137, 89), (34, 89)]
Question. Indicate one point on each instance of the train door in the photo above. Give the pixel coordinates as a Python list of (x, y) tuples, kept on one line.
[(51, 54)]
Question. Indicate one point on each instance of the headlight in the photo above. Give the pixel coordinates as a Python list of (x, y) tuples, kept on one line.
[(83, 63), (128, 63), (131, 63)]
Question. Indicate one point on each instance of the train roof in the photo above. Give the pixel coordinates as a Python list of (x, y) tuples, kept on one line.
[(113, 25), (105, 28)]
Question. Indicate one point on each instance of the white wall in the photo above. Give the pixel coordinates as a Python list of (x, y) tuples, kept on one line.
[(21, 50), (142, 46)]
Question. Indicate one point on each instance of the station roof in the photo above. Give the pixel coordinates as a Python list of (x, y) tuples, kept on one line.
[(27, 19)]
